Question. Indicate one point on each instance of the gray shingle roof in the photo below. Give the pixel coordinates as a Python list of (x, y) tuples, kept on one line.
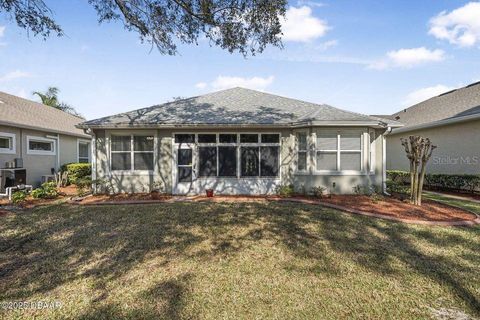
[(19, 112), (453, 104), (237, 106)]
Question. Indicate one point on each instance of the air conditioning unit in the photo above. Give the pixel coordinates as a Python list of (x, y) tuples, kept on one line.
[(48, 178), (12, 178)]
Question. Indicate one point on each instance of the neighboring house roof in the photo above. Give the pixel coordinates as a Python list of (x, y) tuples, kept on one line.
[(237, 106), (23, 113), (453, 104)]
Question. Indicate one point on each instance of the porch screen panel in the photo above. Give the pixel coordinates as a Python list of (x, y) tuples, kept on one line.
[(184, 174), (208, 161), (269, 161), (249, 161), (227, 161)]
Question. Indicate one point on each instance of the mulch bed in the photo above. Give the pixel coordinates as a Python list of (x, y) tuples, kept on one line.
[(389, 206), (125, 197)]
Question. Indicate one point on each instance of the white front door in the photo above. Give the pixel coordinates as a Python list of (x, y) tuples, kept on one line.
[(185, 169)]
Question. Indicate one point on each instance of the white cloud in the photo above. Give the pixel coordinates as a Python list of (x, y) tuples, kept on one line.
[(201, 85), (460, 26), (13, 75), (310, 3), (2, 31), (407, 58), (226, 82), (299, 25), (425, 93)]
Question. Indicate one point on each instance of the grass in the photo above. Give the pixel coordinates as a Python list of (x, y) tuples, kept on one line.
[(234, 261), (468, 205)]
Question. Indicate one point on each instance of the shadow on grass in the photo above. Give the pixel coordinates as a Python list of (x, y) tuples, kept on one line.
[(45, 248)]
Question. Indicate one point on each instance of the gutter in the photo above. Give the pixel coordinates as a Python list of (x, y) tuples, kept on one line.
[(438, 123), (384, 160)]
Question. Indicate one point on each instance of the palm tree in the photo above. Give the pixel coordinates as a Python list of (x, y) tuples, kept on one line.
[(50, 98)]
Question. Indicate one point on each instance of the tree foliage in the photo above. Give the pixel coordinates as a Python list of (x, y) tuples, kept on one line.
[(418, 150), (50, 98), (245, 26)]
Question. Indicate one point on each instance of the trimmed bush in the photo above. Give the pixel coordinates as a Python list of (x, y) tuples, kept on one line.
[(19, 196), (77, 171), (48, 190), (285, 191), (466, 182)]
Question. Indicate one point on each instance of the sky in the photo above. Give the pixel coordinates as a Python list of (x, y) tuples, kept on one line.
[(372, 57)]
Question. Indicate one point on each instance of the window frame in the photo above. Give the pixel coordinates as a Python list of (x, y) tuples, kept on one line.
[(12, 137), (41, 152), (298, 150), (89, 157), (339, 152), (132, 152)]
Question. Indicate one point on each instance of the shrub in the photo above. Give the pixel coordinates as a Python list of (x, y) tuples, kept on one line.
[(48, 190), (466, 182), (77, 171), (19, 196), (285, 190), (83, 185), (395, 187), (371, 191), (318, 191)]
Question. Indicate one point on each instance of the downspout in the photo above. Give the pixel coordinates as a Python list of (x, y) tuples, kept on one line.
[(384, 160), (93, 157)]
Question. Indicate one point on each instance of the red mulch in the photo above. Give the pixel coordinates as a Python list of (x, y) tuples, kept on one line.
[(430, 210)]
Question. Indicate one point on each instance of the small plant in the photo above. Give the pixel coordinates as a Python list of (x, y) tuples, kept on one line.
[(83, 185), (19, 197), (318, 191), (285, 191), (47, 190), (372, 192)]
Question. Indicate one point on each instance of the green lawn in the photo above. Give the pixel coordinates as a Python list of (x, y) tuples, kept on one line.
[(239, 260), (469, 205)]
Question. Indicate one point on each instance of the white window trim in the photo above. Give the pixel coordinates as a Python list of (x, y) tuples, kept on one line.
[(338, 151), (41, 152), (78, 149), (132, 152), (13, 148)]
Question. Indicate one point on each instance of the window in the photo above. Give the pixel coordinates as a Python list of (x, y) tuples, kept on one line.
[(83, 151), (269, 161), (227, 138), (207, 138), (227, 161), (249, 161), (339, 152), (133, 152), (7, 142), (249, 138), (302, 151), (184, 138), (208, 161), (40, 146), (229, 155), (327, 152)]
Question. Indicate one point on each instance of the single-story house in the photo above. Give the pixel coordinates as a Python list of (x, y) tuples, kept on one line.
[(238, 141), (37, 139), (452, 121)]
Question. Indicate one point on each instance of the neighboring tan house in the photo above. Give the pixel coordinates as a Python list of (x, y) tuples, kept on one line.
[(238, 141), (40, 137), (452, 122)]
